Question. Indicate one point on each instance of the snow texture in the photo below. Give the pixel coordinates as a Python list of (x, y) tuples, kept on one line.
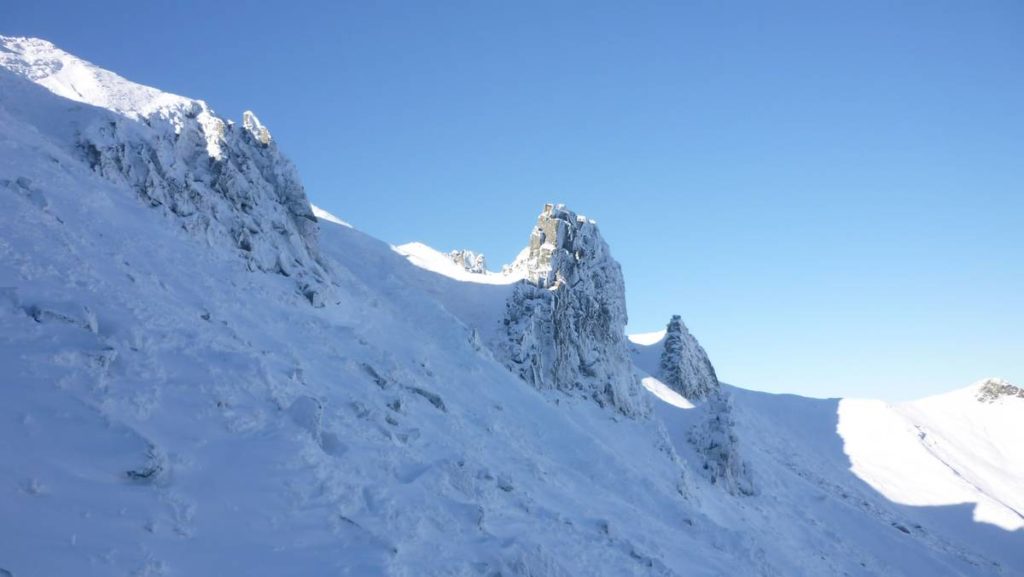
[(172, 404)]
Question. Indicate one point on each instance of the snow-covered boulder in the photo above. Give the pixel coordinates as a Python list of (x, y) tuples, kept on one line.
[(684, 365), (565, 322)]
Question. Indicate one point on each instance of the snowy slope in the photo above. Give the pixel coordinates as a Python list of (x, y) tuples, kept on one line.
[(175, 402), (930, 487), (436, 261), (943, 450), (168, 409)]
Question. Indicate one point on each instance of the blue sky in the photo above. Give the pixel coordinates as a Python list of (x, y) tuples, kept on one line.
[(830, 193)]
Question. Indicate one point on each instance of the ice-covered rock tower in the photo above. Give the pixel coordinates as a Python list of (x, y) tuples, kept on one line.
[(565, 322), (684, 365)]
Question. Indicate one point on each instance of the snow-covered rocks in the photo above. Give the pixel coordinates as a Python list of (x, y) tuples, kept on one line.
[(684, 364), (225, 184), (678, 362), (715, 440), (255, 127), (991, 390), (470, 261), (165, 411), (565, 323)]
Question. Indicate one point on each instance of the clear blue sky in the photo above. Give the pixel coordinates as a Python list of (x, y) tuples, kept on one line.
[(830, 193)]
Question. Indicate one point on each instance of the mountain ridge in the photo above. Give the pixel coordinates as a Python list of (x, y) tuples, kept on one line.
[(175, 405)]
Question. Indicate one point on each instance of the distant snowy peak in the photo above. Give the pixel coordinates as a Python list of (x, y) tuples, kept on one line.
[(992, 390)]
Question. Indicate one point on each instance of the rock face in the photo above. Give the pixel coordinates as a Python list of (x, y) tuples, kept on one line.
[(684, 364), (226, 184), (221, 180), (565, 322), (994, 389), (469, 260)]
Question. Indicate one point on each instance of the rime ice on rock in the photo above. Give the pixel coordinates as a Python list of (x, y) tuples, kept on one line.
[(685, 367), (684, 364), (469, 260), (255, 127), (565, 321), (247, 194), (994, 389), (715, 440), (225, 183)]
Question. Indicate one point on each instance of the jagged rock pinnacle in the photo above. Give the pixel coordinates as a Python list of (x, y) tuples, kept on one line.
[(684, 365), (255, 127), (565, 323)]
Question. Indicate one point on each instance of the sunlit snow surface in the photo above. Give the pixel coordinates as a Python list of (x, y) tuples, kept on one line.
[(166, 410), (665, 393), (943, 450), (324, 215), (647, 339), (436, 261)]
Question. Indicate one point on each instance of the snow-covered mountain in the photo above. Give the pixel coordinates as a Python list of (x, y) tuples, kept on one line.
[(203, 375)]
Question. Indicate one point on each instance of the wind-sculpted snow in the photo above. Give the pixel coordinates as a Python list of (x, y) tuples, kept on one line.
[(566, 321)]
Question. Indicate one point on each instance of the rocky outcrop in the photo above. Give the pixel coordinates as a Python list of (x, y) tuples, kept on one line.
[(565, 321), (994, 389), (469, 260), (226, 184), (715, 440), (221, 180), (685, 366)]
